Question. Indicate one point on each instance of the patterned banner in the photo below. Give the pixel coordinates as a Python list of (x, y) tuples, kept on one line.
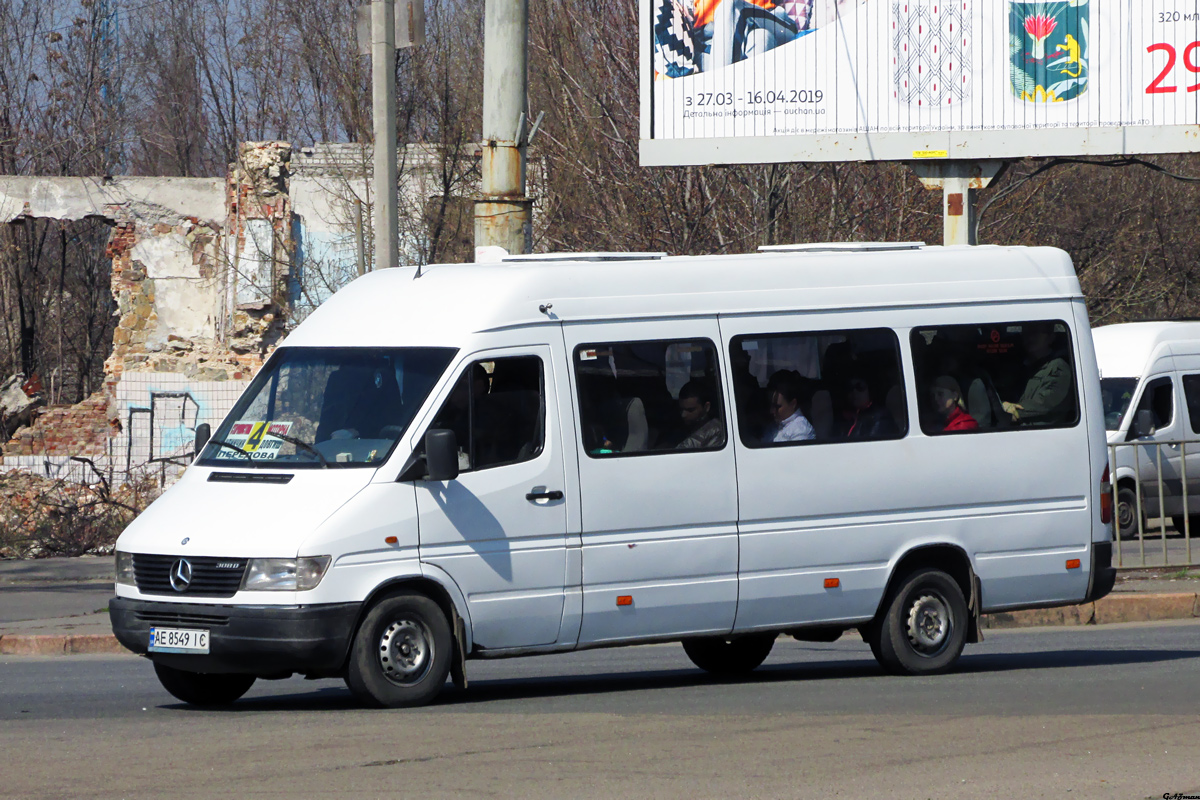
[(730, 69)]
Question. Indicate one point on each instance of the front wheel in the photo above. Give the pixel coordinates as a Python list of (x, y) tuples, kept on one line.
[(924, 628), (730, 655), (203, 689), (1127, 513), (401, 653)]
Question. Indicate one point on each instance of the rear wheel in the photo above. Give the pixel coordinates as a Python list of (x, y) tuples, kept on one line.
[(203, 689), (401, 653), (924, 628), (1127, 512), (730, 655)]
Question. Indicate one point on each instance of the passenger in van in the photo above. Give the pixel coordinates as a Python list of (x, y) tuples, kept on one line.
[(864, 419), (1046, 399), (705, 430), (789, 424), (948, 406)]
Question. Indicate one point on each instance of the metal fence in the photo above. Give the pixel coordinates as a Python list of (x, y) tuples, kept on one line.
[(1153, 508)]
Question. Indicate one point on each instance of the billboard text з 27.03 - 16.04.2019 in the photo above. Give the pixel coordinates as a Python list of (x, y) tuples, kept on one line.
[(754, 81)]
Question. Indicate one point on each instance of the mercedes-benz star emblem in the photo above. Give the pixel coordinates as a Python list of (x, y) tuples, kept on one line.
[(186, 539), (181, 575)]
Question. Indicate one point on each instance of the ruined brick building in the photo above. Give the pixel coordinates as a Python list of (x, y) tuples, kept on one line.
[(206, 275)]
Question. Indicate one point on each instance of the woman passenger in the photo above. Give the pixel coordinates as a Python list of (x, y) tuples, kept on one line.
[(948, 406), (789, 424)]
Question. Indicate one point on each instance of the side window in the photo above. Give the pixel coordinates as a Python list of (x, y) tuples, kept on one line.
[(637, 398), (975, 378), (829, 386), (497, 411), (1191, 391), (1159, 399)]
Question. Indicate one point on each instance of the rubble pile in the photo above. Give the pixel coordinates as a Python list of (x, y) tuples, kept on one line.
[(42, 517)]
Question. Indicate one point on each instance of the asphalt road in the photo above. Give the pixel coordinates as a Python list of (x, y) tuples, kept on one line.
[(1109, 712)]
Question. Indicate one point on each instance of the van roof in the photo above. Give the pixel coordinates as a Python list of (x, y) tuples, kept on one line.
[(447, 303), (1125, 350)]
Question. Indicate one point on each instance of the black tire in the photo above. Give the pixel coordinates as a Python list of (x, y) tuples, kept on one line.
[(203, 689), (1127, 509), (730, 655), (924, 627), (1193, 528), (401, 653)]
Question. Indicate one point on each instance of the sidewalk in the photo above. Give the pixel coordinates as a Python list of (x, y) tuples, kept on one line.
[(59, 606)]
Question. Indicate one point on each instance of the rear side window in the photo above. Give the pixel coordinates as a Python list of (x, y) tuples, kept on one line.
[(1191, 391), (1006, 376), (639, 398), (815, 387)]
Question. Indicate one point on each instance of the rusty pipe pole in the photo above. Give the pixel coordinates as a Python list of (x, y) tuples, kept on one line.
[(502, 212), (383, 109)]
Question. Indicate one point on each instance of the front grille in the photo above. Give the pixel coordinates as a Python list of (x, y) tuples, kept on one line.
[(211, 576), (169, 618)]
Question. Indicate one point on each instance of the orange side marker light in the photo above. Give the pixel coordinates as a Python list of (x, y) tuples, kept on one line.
[(624, 599), (1073, 563), (391, 540), (833, 583)]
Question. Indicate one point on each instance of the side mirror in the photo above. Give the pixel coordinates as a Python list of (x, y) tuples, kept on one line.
[(441, 455), (203, 434), (1143, 424)]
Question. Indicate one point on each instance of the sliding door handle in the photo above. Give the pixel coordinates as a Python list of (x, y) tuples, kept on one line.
[(544, 495)]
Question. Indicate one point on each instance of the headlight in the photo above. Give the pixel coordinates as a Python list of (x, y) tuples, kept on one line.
[(125, 569), (285, 574)]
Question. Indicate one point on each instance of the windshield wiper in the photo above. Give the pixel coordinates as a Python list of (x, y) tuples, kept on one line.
[(305, 445), (233, 447)]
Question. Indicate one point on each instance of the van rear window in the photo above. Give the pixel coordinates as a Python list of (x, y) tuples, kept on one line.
[(996, 376)]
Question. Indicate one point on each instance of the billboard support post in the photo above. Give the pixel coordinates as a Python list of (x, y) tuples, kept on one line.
[(960, 182)]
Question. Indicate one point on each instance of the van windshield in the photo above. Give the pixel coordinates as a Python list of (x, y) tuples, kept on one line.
[(327, 407), (1117, 394)]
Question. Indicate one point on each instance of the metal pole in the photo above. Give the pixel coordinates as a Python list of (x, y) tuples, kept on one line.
[(1187, 517), (1162, 515), (959, 181), (360, 245), (383, 107), (502, 212), (1116, 504)]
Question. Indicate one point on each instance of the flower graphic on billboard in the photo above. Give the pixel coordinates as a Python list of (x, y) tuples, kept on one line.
[(1048, 50)]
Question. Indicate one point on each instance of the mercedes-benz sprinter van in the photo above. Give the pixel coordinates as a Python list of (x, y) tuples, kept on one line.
[(549, 454)]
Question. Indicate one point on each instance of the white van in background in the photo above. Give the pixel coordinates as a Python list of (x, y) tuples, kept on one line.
[(1150, 381), (556, 453)]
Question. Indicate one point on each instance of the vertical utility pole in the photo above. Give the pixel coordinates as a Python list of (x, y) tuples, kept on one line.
[(383, 107), (502, 213), (960, 182)]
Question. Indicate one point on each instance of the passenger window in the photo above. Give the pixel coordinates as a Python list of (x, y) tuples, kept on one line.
[(1191, 392), (830, 386), (497, 411), (974, 378), (637, 398), (1158, 398)]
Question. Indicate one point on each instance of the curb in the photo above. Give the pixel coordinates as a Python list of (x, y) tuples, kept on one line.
[(1105, 611), (66, 645)]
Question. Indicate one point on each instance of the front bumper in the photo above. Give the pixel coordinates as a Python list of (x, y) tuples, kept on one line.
[(255, 640)]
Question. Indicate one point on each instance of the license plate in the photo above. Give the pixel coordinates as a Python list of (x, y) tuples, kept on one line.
[(176, 640)]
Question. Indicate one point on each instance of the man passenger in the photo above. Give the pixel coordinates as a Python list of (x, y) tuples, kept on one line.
[(790, 424), (705, 430), (1046, 399)]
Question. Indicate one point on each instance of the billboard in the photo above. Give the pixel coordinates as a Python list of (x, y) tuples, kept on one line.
[(754, 81)]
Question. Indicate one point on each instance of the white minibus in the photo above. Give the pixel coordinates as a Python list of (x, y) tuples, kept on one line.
[(1154, 369), (554, 453)]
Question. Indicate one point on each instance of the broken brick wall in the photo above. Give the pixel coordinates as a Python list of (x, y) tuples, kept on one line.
[(200, 271)]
